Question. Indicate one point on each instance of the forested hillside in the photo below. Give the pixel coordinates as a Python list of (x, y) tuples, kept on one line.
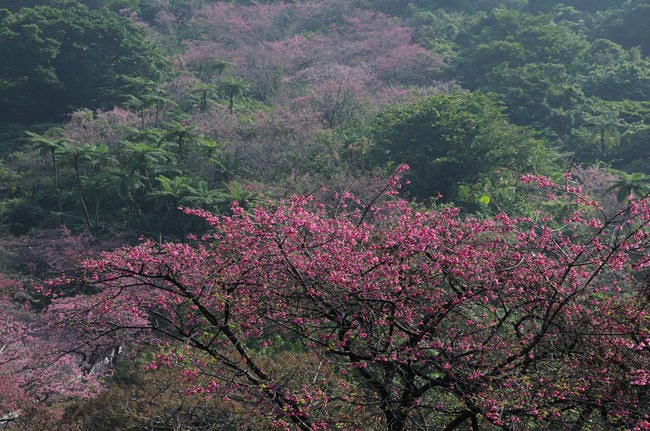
[(324, 215)]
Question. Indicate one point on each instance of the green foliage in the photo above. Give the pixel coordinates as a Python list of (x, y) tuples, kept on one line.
[(515, 38), (542, 95), (614, 73), (633, 152), (553, 73), (585, 5), (636, 185), (137, 183), (66, 56), (629, 25), (12, 137), (530, 61), (115, 5), (438, 30), (231, 88), (399, 7), (615, 132), (453, 143)]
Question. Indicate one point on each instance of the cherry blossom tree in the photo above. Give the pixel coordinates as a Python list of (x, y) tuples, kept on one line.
[(321, 65), (44, 358), (340, 93), (427, 320), (35, 365), (268, 42), (266, 143)]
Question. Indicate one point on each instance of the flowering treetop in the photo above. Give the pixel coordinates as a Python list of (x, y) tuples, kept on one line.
[(432, 320)]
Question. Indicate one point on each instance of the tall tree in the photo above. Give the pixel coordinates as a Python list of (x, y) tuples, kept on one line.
[(432, 321), (231, 88), (629, 186), (53, 145), (65, 56), (452, 140), (77, 153)]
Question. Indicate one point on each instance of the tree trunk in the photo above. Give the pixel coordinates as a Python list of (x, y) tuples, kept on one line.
[(395, 421), (81, 191), (142, 115), (56, 186), (474, 423), (179, 154), (96, 208), (458, 420)]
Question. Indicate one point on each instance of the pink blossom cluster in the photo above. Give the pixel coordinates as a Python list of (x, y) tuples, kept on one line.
[(505, 320)]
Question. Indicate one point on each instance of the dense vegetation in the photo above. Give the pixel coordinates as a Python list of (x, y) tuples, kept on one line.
[(65, 57), (452, 295)]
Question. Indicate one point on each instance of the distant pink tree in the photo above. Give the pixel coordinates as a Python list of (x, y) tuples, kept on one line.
[(99, 127), (387, 49), (235, 25), (432, 321), (267, 142), (339, 93), (48, 253), (596, 181), (36, 364), (322, 65), (268, 42), (44, 357)]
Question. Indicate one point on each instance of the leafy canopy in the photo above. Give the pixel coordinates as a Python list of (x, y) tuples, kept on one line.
[(66, 56), (432, 321), (450, 140)]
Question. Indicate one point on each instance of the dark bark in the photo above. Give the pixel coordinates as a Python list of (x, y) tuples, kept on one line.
[(56, 185), (81, 191), (458, 420)]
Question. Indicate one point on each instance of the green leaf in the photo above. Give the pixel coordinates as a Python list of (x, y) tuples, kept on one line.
[(484, 200)]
